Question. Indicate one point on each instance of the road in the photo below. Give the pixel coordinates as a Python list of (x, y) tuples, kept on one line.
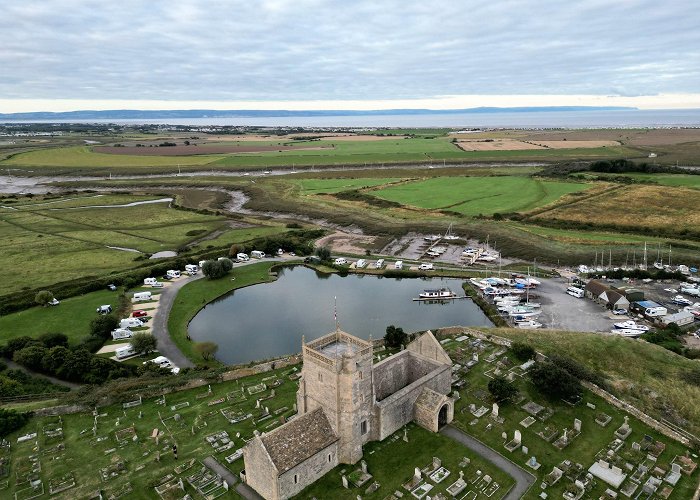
[(523, 479), (166, 346), (14, 366), (242, 489)]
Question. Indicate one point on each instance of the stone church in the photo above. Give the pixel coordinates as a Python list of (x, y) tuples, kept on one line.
[(345, 400)]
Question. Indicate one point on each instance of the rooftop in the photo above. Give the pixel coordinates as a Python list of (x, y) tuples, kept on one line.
[(338, 343)]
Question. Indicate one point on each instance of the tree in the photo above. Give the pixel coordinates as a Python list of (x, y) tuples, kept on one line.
[(226, 265), (14, 345), (54, 359), (234, 250), (75, 366), (53, 339), (213, 269), (12, 420), (206, 349), (323, 253), (43, 298), (502, 390), (102, 326), (395, 337), (523, 352), (31, 356), (143, 342), (555, 382)]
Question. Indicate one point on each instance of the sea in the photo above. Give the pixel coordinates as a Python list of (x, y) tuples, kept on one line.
[(627, 118)]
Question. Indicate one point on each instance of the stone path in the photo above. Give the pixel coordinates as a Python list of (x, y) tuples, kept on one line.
[(14, 366), (243, 489), (523, 479)]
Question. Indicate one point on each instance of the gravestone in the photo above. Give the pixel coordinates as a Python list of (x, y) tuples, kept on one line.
[(636, 446), (525, 450), (517, 437), (294, 407), (475, 356), (494, 410), (577, 425), (504, 435), (345, 481), (363, 466), (405, 434)]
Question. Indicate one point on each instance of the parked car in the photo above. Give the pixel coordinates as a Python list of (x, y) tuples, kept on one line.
[(619, 312), (54, 302), (426, 266), (139, 314)]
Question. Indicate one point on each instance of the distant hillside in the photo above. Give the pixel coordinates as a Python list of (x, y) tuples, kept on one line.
[(136, 114)]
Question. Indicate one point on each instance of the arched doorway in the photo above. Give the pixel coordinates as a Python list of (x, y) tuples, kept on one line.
[(442, 415)]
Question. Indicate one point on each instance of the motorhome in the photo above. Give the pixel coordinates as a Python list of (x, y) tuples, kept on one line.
[(142, 296), (341, 261), (121, 333), (360, 263), (104, 309), (150, 281), (379, 264), (242, 257), (191, 269), (124, 352), (130, 323), (426, 266), (575, 292), (172, 274), (398, 264), (257, 254)]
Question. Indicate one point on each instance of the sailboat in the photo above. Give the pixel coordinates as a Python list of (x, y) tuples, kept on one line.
[(658, 264), (449, 235)]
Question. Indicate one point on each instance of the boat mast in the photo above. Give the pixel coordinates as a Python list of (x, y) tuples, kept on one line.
[(645, 255)]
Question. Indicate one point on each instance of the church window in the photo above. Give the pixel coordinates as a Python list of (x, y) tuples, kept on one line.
[(296, 478), (363, 427), (320, 377), (360, 374), (330, 457)]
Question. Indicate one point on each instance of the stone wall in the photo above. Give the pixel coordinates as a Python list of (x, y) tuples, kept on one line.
[(396, 410), (308, 472), (398, 371), (261, 474)]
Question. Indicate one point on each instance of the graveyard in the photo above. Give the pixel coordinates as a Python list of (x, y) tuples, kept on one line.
[(582, 449)]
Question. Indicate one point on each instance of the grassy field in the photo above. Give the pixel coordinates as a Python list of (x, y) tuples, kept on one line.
[(478, 195), (642, 207), (328, 186), (676, 180), (193, 296), (70, 242), (71, 317)]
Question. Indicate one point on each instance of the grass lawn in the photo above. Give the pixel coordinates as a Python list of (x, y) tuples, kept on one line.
[(193, 296), (679, 180), (478, 195), (240, 235), (392, 463), (317, 186), (72, 242), (71, 317)]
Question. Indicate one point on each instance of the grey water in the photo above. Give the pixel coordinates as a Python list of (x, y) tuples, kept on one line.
[(268, 320), (624, 118)]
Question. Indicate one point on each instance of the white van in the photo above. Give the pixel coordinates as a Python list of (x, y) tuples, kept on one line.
[(360, 263), (149, 281), (121, 333), (242, 257), (172, 274), (124, 352), (257, 254), (398, 264), (653, 312), (130, 323), (142, 296), (191, 269), (575, 292), (379, 264), (426, 266)]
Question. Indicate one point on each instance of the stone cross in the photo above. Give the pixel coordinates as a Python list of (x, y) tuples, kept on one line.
[(140, 414), (494, 410), (461, 474), (345, 481), (627, 420), (577, 425)]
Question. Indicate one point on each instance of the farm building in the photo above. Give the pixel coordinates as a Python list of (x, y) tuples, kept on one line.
[(680, 318), (344, 401)]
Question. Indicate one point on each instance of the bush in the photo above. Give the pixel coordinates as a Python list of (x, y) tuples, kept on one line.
[(31, 356), (502, 390), (523, 352), (323, 253), (11, 420), (214, 269), (102, 326), (206, 349), (576, 369), (555, 382), (53, 339), (43, 298), (16, 344), (143, 342)]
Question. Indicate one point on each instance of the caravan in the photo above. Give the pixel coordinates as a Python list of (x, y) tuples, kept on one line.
[(575, 292), (124, 352), (191, 269), (142, 296), (121, 333), (242, 257), (130, 323), (257, 254), (150, 281), (172, 274)]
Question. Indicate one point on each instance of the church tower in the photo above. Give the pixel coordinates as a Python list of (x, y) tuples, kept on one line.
[(337, 377)]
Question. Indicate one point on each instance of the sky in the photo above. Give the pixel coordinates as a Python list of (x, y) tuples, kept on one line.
[(60, 55)]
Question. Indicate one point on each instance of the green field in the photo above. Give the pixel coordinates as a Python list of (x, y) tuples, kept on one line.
[(681, 180), (71, 317), (478, 195), (329, 186), (70, 242)]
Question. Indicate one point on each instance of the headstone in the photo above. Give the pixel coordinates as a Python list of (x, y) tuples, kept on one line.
[(517, 436), (475, 356), (577, 425), (565, 437), (504, 435), (533, 461), (209, 391), (257, 403), (345, 481), (436, 463), (525, 450), (472, 407), (363, 466), (294, 407), (494, 410), (416, 473), (591, 406), (140, 414), (405, 434), (636, 446)]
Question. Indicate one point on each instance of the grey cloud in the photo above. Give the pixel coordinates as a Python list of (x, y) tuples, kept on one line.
[(275, 50)]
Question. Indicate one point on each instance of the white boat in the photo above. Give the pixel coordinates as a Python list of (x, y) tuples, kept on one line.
[(518, 315), (449, 236), (432, 237), (626, 332), (486, 258), (529, 324), (437, 293), (659, 265), (631, 325)]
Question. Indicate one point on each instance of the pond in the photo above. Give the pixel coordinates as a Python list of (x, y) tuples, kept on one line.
[(267, 320)]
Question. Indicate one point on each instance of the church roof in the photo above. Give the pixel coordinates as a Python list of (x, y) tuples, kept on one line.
[(298, 440), (430, 400), (428, 346)]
